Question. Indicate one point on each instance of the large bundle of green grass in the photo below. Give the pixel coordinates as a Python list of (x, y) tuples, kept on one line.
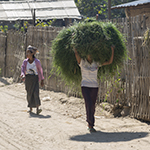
[(64, 60), (94, 38)]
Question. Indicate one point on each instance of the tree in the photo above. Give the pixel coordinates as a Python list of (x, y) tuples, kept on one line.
[(89, 8)]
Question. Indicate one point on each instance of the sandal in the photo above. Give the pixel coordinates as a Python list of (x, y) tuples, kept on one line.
[(91, 129), (30, 111), (39, 111)]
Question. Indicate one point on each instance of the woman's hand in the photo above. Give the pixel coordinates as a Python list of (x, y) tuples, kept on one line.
[(112, 47), (22, 77), (42, 83)]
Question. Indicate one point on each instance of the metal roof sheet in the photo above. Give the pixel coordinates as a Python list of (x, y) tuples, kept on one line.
[(131, 4), (15, 10)]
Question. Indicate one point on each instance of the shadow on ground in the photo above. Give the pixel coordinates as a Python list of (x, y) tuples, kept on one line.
[(38, 116), (109, 136), (4, 81)]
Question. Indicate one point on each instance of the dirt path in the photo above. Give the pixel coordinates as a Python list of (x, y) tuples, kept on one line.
[(62, 126)]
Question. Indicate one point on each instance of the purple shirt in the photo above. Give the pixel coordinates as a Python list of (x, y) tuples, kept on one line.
[(38, 66)]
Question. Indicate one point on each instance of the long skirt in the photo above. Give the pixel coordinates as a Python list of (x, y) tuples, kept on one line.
[(32, 88)]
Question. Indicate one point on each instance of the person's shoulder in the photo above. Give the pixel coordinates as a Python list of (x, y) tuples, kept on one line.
[(25, 60), (36, 60)]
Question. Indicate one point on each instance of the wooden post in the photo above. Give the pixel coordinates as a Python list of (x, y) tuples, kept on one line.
[(33, 16), (109, 9), (5, 57)]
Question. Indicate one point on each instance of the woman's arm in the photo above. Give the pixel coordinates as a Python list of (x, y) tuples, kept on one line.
[(23, 68), (39, 69), (78, 58), (111, 58)]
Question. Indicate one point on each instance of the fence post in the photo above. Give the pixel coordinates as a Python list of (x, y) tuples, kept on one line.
[(5, 56), (25, 44), (144, 23)]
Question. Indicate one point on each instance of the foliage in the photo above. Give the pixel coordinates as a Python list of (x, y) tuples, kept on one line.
[(116, 84), (63, 57), (19, 26), (147, 38), (4, 28), (44, 24), (90, 8), (94, 38)]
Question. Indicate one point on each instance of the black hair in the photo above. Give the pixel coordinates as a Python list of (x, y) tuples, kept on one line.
[(32, 52)]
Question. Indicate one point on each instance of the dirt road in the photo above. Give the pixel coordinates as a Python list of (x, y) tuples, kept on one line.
[(62, 126)]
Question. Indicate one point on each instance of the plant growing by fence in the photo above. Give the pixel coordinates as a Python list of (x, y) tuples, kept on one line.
[(115, 84), (4, 28), (19, 26), (147, 38), (44, 24)]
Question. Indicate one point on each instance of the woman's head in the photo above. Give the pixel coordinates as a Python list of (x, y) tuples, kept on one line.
[(89, 58), (31, 51)]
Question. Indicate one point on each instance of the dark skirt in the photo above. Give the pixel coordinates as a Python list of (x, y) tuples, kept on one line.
[(32, 88)]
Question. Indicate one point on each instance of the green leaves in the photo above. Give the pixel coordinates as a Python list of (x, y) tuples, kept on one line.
[(4, 28), (44, 24)]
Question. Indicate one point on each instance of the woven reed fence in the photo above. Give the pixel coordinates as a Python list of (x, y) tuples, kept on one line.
[(130, 88)]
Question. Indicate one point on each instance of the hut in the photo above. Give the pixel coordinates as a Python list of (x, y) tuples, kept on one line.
[(64, 11), (138, 7)]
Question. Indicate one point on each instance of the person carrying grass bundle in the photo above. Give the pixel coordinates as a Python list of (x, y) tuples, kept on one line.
[(89, 84), (32, 73)]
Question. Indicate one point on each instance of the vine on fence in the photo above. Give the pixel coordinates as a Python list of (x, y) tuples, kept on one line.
[(147, 38), (117, 85)]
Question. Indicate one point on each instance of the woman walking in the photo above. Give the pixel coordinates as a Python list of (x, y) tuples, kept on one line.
[(32, 73), (89, 85)]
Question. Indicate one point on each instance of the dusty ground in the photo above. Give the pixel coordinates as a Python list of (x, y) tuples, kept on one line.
[(61, 125)]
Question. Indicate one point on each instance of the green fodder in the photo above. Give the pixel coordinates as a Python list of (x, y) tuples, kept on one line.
[(87, 39), (64, 60), (93, 38), (113, 37)]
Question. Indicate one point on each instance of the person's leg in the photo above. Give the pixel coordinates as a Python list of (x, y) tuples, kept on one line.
[(88, 105), (36, 96), (93, 95), (30, 109), (28, 85)]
